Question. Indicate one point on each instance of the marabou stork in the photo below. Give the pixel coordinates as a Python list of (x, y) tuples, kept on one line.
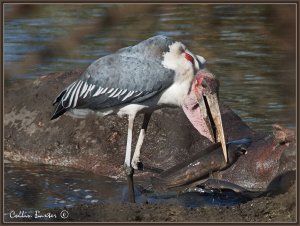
[(153, 74)]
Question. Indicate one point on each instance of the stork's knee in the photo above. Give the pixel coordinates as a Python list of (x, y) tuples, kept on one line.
[(128, 170)]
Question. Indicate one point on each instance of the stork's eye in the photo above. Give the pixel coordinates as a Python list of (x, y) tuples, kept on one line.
[(189, 58), (204, 83)]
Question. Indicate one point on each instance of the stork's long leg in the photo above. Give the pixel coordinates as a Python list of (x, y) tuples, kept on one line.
[(127, 166), (136, 157)]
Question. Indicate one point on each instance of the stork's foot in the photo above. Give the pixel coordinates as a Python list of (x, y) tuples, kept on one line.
[(129, 173)]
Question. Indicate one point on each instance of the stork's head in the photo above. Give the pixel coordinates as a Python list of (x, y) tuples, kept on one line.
[(181, 60), (202, 107)]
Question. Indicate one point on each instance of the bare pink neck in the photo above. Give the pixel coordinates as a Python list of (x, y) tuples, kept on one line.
[(194, 115)]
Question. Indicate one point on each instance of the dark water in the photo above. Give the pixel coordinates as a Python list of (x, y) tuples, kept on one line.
[(33, 188), (250, 48)]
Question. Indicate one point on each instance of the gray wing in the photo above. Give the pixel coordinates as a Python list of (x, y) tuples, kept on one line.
[(122, 79), (131, 75), (115, 80)]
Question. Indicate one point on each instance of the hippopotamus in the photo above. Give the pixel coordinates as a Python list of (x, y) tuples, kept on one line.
[(201, 165), (266, 159), (261, 167)]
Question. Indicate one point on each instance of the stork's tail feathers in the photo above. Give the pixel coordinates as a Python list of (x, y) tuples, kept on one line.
[(59, 110)]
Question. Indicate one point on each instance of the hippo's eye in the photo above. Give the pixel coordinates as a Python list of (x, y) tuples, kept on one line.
[(189, 57)]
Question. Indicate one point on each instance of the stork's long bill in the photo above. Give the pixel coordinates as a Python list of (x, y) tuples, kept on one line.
[(203, 101), (210, 104)]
